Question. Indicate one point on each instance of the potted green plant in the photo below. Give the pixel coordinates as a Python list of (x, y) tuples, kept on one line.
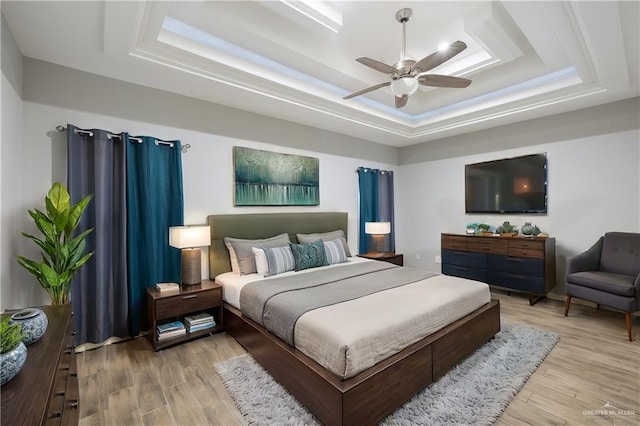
[(13, 352), (62, 252), (484, 228), (507, 229)]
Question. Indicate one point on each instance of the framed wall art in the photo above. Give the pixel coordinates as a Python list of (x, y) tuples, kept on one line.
[(264, 178)]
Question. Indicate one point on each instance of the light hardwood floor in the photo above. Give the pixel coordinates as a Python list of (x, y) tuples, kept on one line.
[(593, 365)]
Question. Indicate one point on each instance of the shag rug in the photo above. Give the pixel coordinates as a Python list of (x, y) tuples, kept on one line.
[(476, 391)]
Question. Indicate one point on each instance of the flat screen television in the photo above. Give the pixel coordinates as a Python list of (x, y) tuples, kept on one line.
[(510, 185)]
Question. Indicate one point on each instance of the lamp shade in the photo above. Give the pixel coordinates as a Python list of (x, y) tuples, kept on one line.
[(189, 236), (377, 228), (404, 86)]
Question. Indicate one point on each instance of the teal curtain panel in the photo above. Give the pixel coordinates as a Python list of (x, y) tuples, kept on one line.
[(155, 202)]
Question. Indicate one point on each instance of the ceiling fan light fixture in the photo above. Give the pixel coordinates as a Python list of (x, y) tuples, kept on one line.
[(405, 76), (404, 86)]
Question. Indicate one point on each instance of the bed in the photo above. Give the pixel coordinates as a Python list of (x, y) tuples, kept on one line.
[(364, 395)]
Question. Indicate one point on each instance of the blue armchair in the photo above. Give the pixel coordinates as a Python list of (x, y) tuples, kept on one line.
[(608, 274)]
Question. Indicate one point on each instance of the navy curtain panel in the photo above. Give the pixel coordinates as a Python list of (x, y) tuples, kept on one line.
[(376, 204), (155, 202), (96, 165)]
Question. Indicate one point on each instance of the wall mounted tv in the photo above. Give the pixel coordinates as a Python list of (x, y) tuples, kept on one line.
[(510, 185)]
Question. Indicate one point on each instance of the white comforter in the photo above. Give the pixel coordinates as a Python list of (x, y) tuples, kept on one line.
[(352, 336)]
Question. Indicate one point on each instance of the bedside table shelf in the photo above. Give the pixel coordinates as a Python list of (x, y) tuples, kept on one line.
[(175, 305), (395, 258)]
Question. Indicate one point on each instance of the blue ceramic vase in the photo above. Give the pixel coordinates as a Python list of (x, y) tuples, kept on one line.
[(34, 324), (11, 362)]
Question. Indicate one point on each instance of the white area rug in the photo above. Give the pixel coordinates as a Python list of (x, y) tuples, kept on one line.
[(475, 392)]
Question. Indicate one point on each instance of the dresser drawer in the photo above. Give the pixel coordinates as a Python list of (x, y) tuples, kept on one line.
[(464, 272), (55, 409), (516, 281), (185, 303), (453, 242), (516, 265), (522, 243), (524, 252), (463, 258), (71, 409), (488, 245)]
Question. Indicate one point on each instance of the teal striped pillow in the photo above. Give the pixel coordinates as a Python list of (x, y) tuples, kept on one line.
[(334, 252)]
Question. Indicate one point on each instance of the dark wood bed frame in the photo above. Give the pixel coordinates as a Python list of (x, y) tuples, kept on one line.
[(374, 393)]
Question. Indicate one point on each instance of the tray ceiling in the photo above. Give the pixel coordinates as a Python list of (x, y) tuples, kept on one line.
[(296, 60)]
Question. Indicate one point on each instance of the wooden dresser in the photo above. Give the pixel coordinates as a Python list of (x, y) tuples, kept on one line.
[(46, 391), (514, 263)]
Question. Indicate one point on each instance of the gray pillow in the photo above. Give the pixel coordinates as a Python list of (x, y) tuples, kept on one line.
[(325, 236), (242, 258)]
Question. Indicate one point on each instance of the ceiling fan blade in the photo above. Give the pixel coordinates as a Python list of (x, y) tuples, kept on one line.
[(367, 90), (437, 80), (377, 65), (439, 57), (401, 101)]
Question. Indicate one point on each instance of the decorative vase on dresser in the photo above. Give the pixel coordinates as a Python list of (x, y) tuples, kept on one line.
[(34, 323), (11, 362)]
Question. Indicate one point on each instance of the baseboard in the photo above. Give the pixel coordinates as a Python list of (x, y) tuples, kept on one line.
[(577, 301)]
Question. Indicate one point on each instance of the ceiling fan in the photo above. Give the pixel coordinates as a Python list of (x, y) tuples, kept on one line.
[(407, 74)]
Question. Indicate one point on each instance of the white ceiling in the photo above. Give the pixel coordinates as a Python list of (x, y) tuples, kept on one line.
[(526, 58)]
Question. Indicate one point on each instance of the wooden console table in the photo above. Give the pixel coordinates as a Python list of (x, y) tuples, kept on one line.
[(513, 263)]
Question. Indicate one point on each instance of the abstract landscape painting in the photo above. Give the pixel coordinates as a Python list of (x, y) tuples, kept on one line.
[(264, 178)]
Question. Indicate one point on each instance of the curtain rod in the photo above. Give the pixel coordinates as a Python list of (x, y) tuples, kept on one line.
[(369, 168), (184, 147)]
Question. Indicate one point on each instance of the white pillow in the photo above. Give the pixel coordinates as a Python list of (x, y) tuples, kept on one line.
[(261, 261)]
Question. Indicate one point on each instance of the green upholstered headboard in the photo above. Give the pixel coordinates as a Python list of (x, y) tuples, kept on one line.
[(264, 225)]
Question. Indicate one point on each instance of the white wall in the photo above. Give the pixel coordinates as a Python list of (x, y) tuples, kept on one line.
[(207, 174), (17, 288), (594, 187)]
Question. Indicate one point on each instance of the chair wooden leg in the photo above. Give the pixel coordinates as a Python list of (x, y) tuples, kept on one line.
[(567, 303), (628, 318), (597, 306)]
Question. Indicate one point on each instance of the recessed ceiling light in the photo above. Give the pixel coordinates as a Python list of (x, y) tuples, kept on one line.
[(443, 46)]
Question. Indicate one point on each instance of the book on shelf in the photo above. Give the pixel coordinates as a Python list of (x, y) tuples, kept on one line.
[(171, 334), (170, 326), (203, 326), (198, 319), (165, 287)]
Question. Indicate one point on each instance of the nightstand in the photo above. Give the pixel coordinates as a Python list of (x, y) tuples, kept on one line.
[(175, 305), (386, 256)]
